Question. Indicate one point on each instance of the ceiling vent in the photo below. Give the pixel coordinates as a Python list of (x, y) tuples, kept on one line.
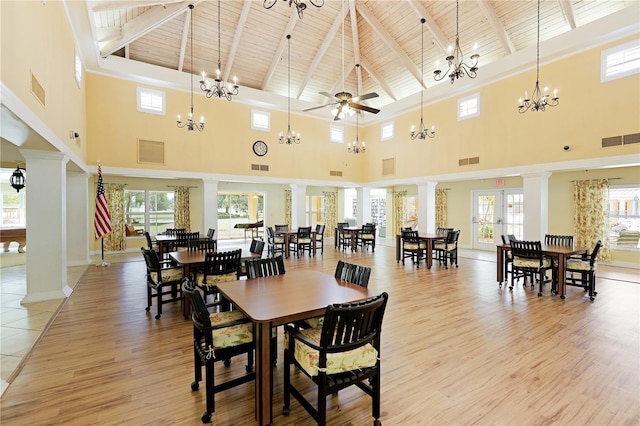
[(151, 152), (388, 166)]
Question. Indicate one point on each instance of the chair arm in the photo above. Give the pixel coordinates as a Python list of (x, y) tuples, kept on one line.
[(294, 333)]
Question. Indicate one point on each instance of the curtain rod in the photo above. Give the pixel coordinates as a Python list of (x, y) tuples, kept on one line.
[(175, 186), (579, 180)]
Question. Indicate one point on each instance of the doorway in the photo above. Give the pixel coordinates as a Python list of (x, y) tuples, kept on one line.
[(496, 212)]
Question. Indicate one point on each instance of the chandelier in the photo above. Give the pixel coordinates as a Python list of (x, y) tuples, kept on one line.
[(190, 124), (290, 137), (218, 89), (17, 179), (458, 68), (423, 131), (538, 100), (355, 146), (299, 5)]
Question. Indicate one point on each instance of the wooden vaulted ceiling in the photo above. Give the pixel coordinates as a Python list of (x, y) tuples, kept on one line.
[(384, 37)]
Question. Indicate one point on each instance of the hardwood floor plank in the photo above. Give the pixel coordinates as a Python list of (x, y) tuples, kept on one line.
[(457, 349)]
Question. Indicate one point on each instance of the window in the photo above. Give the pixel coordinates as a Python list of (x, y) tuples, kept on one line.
[(386, 131), (315, 210), (620, 61), (151, 101), (469, 107), (151, 211), (624, 217), (260, 120), (78, 69), (336, 134), (238, 208), (13, 208)]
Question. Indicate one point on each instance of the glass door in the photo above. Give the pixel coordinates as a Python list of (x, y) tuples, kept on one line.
[(496, 212)]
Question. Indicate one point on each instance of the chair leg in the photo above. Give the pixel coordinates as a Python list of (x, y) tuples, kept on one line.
[(210, 386), (159, 295), (287, 383)]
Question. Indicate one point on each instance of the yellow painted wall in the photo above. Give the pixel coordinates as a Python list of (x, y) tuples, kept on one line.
[(36, 39)]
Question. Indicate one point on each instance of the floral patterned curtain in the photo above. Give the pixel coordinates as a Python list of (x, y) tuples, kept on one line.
[(182, 211), (116, 240), (441, 208), (330, 210), (287, 207), (398, 210), (591, 215)]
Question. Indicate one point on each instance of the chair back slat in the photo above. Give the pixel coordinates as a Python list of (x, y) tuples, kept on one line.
[(257, 268), (352, 273)]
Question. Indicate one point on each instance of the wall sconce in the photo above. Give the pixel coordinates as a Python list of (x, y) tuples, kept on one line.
[(17, 179)]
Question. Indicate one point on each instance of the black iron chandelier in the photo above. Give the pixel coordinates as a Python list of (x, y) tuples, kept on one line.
[(298, 4), (17, 179), (190, 124), (219, 88), (291, 136), (457, 67), (538, 100), (423, 131)]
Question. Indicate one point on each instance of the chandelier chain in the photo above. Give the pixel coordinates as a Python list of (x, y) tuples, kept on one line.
[(290, 137), (423, 131)]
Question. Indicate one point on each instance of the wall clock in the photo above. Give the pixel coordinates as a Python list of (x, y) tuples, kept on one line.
[(260, 148)]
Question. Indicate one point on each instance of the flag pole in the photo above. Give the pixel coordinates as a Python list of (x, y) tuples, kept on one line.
[(102, 262)]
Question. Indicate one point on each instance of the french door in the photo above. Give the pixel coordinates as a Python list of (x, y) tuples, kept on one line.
[(496, 212)]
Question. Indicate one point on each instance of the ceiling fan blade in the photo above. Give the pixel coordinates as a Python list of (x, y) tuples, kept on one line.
[(328, 95), (316, 107), (364, 108), (365, 97)]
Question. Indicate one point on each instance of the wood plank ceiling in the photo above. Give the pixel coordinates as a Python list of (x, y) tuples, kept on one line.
[(384, 37)]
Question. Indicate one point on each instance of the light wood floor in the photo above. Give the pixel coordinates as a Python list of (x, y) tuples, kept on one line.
[(457, 350)]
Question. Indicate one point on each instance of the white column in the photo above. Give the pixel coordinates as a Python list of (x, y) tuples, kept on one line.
[(210, 206), (46, 199), (363, 198), (427, 207), (78, 219), (536, 205), (298, 208)]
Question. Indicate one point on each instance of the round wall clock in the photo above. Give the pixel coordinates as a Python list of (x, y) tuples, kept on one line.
[(260, 148)]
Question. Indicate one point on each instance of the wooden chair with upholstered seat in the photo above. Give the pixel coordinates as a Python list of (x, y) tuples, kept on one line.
[(345, 351), (267, 267), (217, 336), (446, 252), (413, 247), (367, 237), (218, 267), (275, 243), (319, 238), (529, 261), (301, 241), (344, 237), (163, 279), (585, 269)]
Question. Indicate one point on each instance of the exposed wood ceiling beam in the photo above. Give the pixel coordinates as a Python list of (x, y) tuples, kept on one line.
[(497, 26), (322, 50), (356, 40), (183, 42), (568, 12), (372, 72), (143, 24), (293, 20), (438, 36), (236, 39), (388, 40), (100, 6)]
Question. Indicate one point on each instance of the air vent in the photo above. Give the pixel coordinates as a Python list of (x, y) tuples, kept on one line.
[(388, 166), (335, 173), (255, 167), (468, 161), (150, 152), (260, 167), (612, 141), (37, 90), (632, 138)]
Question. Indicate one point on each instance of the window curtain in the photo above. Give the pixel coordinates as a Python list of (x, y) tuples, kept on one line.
[(287, 207), (591, 215), (398, 210), (330, 210), (182, 214), (441, 208), (116, 240)]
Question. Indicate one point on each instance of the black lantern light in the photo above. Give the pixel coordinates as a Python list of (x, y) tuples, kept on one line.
[(17, 179)]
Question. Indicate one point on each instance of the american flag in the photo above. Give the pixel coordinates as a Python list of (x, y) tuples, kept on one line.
[(102, 219)]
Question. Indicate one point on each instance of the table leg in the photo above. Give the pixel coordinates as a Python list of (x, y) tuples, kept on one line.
[(285, 238), (398, 237), (263, 374), (562, 271), (500, 264), (429, 254)]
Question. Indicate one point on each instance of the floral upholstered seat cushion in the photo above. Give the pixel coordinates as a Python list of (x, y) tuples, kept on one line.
[(303, 240), (278, 240), (580, 265), (215, 279), (169, 274), (444, 246), (368, 237), (315, 322), (221, 318), (233, 335), (531, 263), (363, 357), (411, 246)]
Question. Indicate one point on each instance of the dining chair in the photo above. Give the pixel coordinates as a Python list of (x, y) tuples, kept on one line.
[(217, 336), (344, 237), (443, 231), (585, 269), (412, 247), (345, 351), (558, 240), (219, 267), (209, 245), (367, 237), (281, 228), (530, 262), (320, 238), (163, 279), (275, 243), (447, 251), (301, 241), (256, 248), (210, 233), (150, 244), (257, 268)]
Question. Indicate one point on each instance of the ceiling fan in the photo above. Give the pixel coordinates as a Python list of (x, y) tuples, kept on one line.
[(345, 103)]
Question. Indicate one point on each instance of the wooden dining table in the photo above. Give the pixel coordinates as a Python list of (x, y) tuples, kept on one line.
[(353, 232), (163, 240), (281, 299), (286, 234), (429, 238), (562, 252)]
